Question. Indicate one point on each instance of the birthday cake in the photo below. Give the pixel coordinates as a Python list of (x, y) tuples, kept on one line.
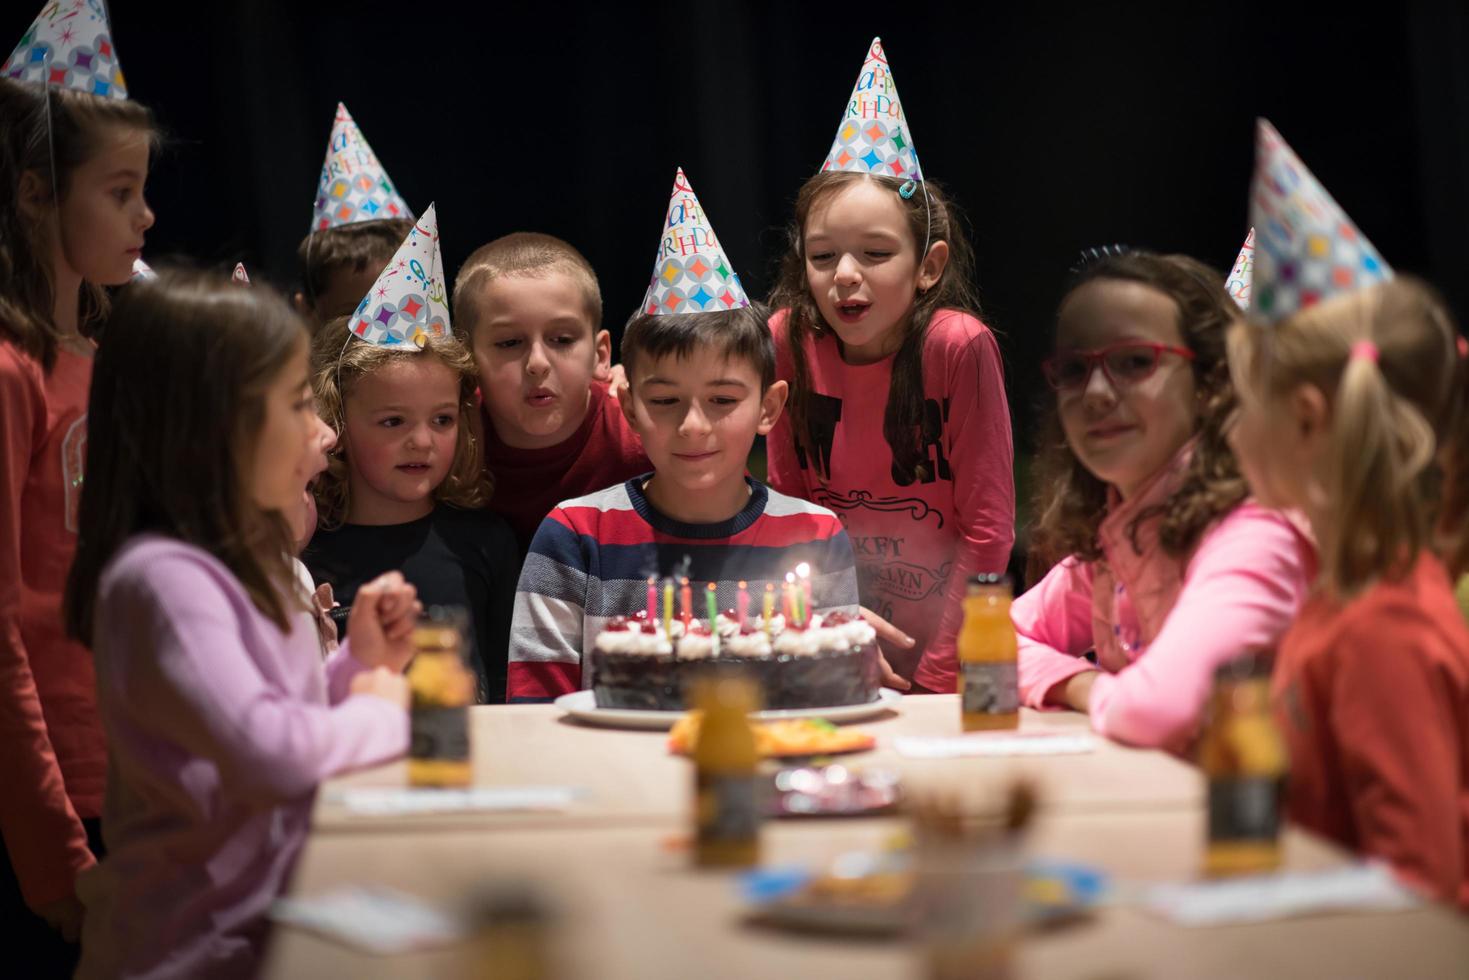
[(820, 662)]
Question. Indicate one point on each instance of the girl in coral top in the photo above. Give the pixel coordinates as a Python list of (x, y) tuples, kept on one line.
[(1342, 408), (1166, 569), (72, 220)]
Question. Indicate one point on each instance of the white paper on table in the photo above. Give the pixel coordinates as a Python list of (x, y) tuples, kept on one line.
[(1259, 898), (957, 746), (399, 800), (379, 920)]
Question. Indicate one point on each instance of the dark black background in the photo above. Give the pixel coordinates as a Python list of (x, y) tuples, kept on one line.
[(1056, 128)]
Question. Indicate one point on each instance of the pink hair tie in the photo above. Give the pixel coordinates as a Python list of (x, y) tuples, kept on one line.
[(1365, 350), (1463, 345)]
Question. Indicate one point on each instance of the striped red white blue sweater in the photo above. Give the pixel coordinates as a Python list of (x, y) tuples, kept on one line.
[(591, 558)]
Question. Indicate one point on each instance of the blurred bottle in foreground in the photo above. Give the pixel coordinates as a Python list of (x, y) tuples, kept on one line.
[(1244, 758), (442, 684)]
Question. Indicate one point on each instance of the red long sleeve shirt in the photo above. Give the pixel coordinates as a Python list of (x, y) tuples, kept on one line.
[(53, 759), (916, 544), (1373, 700)]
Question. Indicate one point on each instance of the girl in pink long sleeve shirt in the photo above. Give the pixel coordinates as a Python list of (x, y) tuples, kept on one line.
[(1169, 570), (219, 716)]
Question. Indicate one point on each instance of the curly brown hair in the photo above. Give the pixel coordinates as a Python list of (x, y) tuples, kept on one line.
[(933, 218), (1071, 502), (338, 362)]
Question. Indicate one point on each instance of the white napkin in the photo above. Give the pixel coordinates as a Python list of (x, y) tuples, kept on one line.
[(400, 800), (1259, 898), (379, 920), (955, 746)]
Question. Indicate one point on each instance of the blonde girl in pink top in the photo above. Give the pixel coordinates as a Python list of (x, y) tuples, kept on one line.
[(1164, 568)]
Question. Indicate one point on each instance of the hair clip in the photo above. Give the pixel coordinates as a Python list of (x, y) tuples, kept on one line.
[(1097, 253), (908, 189), (1365, 350)]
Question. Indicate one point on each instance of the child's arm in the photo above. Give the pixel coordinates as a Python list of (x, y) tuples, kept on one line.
[(983, 464), (1242, 589), (546, 630), (178, 669), (1402, 752), (1053, 628), (43, 834)]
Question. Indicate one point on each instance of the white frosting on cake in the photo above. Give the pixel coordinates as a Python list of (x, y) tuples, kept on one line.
[(696, 646), (633, 641), (755, 644), (859, 633)]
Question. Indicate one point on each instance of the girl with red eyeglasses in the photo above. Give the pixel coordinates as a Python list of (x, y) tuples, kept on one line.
[(1161, 567)]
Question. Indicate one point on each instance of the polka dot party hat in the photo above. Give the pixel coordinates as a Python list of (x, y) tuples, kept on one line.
[(408, 303), (70, 46), (874, 136), (1240, 277), (1306, 248), (354, 186), (691, 273), (240, 275)]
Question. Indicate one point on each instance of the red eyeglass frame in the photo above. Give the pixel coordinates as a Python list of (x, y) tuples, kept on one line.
[(1093, 358)]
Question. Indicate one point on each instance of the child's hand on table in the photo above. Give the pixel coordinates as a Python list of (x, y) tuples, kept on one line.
[(888, 633), (381, 623)]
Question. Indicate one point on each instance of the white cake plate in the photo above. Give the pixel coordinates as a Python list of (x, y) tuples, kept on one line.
[(583, 707)]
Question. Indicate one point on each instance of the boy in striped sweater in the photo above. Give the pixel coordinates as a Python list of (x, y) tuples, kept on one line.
[(701, 386)]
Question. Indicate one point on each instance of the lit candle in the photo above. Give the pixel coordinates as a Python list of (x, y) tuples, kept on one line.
[(712, 605), (668, 609), (742, 605), (652, 600), (804, 571), (789, 599), (685, 602), (769, 607)]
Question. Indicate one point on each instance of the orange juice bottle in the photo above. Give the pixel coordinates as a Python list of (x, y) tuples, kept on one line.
[(442, 687), (726, 797), (1244, 756), (989, 691)]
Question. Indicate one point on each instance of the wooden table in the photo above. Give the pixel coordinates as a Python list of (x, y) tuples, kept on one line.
[(630, 777), (631, 908)]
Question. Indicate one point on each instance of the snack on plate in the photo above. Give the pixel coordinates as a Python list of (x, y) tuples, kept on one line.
[(801, 736)]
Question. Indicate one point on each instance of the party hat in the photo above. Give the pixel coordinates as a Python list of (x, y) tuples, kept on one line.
[(1307, 248), (354, 186), (874, 136), (1240, 277), (70, 46), (407, 303), (690, 272), (240, 275), (142, 272)]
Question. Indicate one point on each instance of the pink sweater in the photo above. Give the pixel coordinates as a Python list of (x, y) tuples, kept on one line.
[(219, 729), (1239, 590), (916, 543)]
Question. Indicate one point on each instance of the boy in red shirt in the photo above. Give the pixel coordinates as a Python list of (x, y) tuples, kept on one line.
[(529, 308)]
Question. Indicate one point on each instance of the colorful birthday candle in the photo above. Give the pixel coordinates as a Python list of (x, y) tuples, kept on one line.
[(685, 602), (668, 609), (742, 605), (789, 599), (769, 606), (803, 572), (652, 600)]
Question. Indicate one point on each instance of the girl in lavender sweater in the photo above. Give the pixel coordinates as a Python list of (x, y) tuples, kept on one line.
[(220, 714)]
